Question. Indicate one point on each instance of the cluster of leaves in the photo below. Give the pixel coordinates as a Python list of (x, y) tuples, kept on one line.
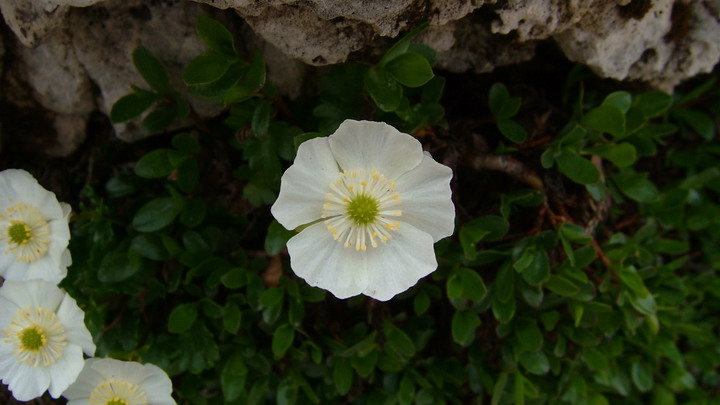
[(175, 268)]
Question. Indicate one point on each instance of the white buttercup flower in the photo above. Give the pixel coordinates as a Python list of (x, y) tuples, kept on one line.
[(374, 205), (115, 382), (42, 338), (34, 231)]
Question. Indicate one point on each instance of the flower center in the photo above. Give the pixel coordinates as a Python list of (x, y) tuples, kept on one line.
[(19, 233), (32, 339), (27, 233), (37, 335), (117, 392), (359, 210), (362, 209)]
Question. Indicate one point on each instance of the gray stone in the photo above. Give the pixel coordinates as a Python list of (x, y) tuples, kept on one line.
[(31, 20), (115, 28)]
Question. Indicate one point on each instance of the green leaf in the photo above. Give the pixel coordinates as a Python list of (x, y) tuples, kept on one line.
[(188, 174), (473, 286), (154, 165), (529, 336), (261, 119), (463, 326), (699, 121), (182, 317), (644, 304), (595, 359), (574, 233), (234, 278), (410, 69), (271, 297), (256, 76), (606, 118), (421, 303), (636, 186), (399, 341), (150, 246), (342, 376), (282, 340), (512, 130), (504, 284), (621, 155), (193, 212), (232, 317), (538, 271), (383, 89), (186, 143), (642, 375), (498, 96), (454, 287), (206, 68), (535, 362), (160, 118), (276, 238), (653, 103), (503, 311), (232, 377), (131, 106), (577, 168), (620, 99), (561, 286), (115, 267), (156, 214), (151, 69), (215, 35), (633, 281), (499, 389), (402, 45)]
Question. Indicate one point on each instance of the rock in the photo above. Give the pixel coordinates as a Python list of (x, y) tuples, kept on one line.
[(322, 32), (466, 45), (115, 28), (662, 42), (31, 20), (300, 33), (61, 86)]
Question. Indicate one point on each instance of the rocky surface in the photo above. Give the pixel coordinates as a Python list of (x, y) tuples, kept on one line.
[(75, 55)]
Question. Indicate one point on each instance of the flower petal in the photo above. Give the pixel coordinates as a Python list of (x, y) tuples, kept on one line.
[(87, 380), (72, 317), (305, 184), (25, 382), (157, 386), (30, 191), (398, 264), (427, 199), (375, 145), (66, 370), (35, 293), (325, 263)]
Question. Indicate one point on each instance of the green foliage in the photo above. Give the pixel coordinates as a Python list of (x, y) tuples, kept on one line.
[(598, 286)]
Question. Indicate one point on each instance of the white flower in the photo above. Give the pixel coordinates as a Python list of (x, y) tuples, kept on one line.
[(43, 338), (115, 382), (374, 204), (34, 231)]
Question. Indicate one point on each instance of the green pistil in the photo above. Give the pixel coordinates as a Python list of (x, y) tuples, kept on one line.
[(19, 233), (116, 401), (32, 339), (362, 209)]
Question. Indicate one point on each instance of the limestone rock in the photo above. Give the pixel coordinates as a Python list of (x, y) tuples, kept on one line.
[(662, 42), (115, 28), (31, 20), (321, 32)]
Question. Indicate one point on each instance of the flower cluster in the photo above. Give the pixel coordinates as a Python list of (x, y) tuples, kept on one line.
[(43, 335), (371, 203)]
